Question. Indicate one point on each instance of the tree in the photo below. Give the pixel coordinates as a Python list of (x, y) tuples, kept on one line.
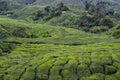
[(91, 9), (38, 15), (101, 9), (60, 5), (47, 9), (110, 12), (3, 5), (107, 22)]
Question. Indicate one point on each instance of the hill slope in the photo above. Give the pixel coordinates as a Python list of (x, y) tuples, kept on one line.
[(56, 53), (33, 51), (48, 2)]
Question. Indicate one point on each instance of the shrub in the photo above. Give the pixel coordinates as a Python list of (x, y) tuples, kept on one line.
[(3, 6), (107, 22), (50, 12), (46, 34), (29, 74), (94, 77), (19, 32), (98, 29), (116, 32), (38, 15), (83, 70), (54, 74), (5, 47), (96, 68), (69, 71), (110, 70), (24, 32), (3, 33), (0, 52)]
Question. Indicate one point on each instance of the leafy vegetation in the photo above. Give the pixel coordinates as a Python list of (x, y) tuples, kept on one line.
[(62, 62), (116, 32), (85, 15), (73, 40), (50, 12)]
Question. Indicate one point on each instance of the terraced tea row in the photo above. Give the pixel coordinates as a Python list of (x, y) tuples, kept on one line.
[(98, 61)]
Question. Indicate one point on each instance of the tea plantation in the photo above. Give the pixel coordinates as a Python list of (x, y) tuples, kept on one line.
[(42, 52), (99, 61)]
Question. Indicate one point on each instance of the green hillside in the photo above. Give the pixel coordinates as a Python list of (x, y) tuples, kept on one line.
[(48, 2), (59, 40), (60, 62), (56, 53), (80, 13)]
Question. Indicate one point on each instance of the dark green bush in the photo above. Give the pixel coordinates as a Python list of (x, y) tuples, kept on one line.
[(46, 34), (3, 6), (0, 52), (83, 70), (6, 47), (107, 22), (50, 11), (24, 32), (98, 29), (29, 74), (3, 33), (19, 32), (39, 15), (96, 68), (116, 33), (110, 70)]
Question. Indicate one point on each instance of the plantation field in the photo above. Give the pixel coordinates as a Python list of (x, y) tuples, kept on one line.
[(43, 52), (99, 61), (59, 40)]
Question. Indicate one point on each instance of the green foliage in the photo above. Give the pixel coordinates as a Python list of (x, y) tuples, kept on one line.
[(96, 68), (50, 12), (110, 69), (23, 32), (107, 22), (68, 15), (6, 47), (95, 77), (0, 52), (96, 14), (68, 20), (19, 32), (57, 62), (3, 6), (83, 70), (3, 33), (57, 53), (116, 32), (46, 34), (99, 29), (30, 73)]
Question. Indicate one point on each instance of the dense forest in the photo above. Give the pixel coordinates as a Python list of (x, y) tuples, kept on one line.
[(59, 39)]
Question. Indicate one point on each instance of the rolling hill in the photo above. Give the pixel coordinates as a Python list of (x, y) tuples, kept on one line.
[(59, 40), (52, 53), (48, 2)]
